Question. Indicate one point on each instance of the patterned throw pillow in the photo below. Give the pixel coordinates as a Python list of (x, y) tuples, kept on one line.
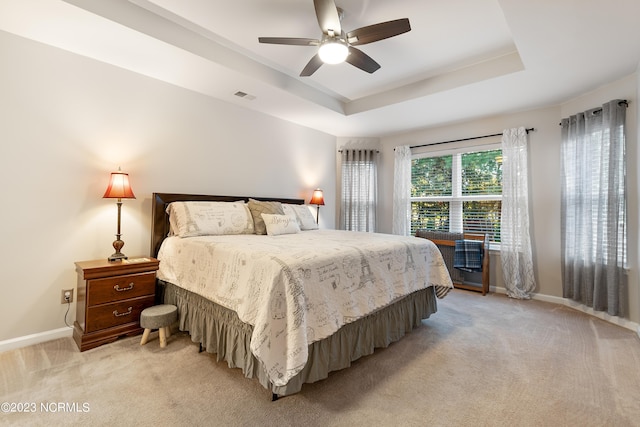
[(257, 208), (280, 224), (305, 218), (187, 219)]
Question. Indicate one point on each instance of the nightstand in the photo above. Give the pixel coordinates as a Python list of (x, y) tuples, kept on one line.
[(110, 298)]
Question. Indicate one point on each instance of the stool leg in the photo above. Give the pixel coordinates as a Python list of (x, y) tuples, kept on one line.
[(168, 330), (145, 336), (163, 337)]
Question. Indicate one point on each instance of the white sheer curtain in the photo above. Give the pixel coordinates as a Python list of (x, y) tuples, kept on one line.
[(515, 248), (402, 191), (593, 222), (359, 190)]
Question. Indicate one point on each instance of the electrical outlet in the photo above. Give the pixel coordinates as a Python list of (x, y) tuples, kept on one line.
[(67, 296)]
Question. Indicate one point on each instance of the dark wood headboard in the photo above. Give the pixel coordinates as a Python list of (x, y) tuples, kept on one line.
[(160, 219)]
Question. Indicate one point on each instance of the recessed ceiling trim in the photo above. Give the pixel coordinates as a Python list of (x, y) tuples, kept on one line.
[(148, 18), (146, 21), (503, 65)]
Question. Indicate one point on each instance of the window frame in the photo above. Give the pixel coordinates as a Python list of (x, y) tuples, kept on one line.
[(456, 198)]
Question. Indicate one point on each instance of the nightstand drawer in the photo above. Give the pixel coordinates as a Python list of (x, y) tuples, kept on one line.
[(117, 288), (118, 313)]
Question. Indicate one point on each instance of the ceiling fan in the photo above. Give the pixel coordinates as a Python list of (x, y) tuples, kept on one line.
[(336, 46)]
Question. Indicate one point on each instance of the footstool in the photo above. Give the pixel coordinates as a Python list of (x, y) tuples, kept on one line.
[(159, 317)]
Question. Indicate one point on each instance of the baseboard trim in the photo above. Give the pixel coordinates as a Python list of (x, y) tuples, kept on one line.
[(620, 321), (54, 334), (38, 338)]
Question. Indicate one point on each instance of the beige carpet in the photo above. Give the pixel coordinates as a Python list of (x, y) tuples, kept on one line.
[(479, 361)]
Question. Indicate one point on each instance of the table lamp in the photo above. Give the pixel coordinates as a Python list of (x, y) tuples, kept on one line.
[(119, 188)]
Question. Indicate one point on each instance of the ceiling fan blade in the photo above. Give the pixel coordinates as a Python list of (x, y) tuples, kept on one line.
[(289, 41), (328, 16), (312, 66), (383, 30), (359, 59)]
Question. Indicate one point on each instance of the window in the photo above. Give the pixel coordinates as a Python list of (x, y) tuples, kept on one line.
[(359, 190), (594, 189), (460, 191)]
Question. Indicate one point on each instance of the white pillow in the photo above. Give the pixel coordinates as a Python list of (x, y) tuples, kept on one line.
[(188, 219), (305, 218), (280, 224)]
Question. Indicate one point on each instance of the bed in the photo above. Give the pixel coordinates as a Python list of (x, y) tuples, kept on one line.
[(291, 303)]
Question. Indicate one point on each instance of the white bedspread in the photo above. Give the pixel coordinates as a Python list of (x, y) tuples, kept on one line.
[(296, 289)]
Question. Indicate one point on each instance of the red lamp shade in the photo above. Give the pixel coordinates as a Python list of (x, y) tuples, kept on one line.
[(317, 198), (119, 187)]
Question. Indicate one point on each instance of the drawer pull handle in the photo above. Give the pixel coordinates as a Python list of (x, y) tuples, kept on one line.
[(119, 289), (129, 310)]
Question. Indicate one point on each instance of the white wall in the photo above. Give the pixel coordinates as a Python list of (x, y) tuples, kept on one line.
[(67, 121), (544, 167)]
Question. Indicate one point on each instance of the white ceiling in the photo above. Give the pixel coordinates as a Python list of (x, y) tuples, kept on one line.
[(462, 59)]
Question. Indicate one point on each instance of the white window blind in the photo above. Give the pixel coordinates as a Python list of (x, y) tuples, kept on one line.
[(458, 192)]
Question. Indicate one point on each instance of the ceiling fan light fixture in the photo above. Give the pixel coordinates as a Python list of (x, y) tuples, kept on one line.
[(333, 51)]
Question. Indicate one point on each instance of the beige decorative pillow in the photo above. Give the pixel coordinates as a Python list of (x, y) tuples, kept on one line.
[(280, 224), (305, 218), (257, 208), (187, 219)]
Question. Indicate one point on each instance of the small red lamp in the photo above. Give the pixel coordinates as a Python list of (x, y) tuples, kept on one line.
[(119, 188), (317, 199)]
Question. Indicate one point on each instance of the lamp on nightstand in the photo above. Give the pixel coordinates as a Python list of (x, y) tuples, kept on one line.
[(119, 188), (318, 200)]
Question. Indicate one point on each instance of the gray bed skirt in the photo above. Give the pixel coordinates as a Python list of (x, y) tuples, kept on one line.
[(220, 331)]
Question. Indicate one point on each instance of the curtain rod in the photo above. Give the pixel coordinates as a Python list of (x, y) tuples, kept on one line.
[(599, 110), (359, 149), (464, 139)]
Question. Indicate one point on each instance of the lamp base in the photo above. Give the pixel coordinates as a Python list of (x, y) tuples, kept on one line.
[(117, 245), (118, 256)]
